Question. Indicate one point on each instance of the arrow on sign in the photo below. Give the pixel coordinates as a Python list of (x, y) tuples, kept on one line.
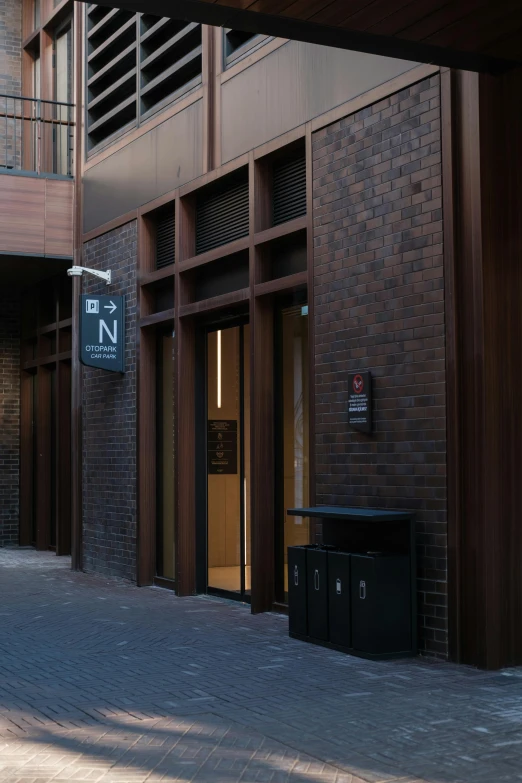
[(111, 307)]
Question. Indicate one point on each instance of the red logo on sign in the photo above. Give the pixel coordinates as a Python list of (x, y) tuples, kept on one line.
[(358, 384)]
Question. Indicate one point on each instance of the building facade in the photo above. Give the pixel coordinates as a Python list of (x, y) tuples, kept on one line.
[(277, 215)]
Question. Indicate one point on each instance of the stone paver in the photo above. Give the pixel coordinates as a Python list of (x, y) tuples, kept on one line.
[(104, 682)]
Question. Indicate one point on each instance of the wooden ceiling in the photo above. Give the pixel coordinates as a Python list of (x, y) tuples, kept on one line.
[(479, 35)]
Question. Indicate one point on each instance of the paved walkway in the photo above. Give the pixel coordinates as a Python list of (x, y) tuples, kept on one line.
[(102, 681)]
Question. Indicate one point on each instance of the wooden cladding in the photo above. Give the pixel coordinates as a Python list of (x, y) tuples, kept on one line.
[(36, 216), (136, 65)]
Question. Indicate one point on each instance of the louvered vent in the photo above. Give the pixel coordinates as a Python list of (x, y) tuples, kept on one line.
[(222, 216), (289, 190), (170, 61), (165, 54), (111, 72), (165, 237)]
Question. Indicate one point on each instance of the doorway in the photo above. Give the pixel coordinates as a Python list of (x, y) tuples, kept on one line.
[(292, 412), (228, 563)]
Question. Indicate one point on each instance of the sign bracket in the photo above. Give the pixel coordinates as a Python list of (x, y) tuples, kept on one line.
[(77, 271)]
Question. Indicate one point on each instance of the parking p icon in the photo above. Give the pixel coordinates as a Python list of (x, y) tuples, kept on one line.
[(92, 306)]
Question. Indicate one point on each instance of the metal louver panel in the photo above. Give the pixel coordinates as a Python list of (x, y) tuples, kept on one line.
[(222, 217), (289, 191), (165, 236)]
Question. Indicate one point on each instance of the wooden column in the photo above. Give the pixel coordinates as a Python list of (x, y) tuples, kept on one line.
[(76, 369), (185, 455), (63, 472), (43, 462), (26, 459), (482, 126), (262, 459), (146, 447)]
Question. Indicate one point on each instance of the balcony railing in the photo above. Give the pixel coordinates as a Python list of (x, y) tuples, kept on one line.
[(36, 136)]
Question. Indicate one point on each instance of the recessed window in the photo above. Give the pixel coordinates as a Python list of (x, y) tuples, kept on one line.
[(237, 43)]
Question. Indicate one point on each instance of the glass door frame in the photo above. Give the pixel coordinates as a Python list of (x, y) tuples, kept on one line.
[(163, 330), (202, 391), (280, 304)]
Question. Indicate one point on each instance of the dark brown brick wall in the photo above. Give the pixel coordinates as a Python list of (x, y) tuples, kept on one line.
[(9, 416), (11, 46), (10, 77), (109, 422), (379, 306)]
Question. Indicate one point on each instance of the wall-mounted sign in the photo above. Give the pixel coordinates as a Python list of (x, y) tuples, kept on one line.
[(222, 446), (102, 332), (360, 401)]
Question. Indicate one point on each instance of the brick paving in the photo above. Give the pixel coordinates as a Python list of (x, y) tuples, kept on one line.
[(103, 681)]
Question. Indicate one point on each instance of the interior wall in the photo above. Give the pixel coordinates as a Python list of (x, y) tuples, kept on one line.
[(9, 416)]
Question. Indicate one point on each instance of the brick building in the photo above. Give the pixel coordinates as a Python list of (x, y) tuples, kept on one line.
[(277, 215)]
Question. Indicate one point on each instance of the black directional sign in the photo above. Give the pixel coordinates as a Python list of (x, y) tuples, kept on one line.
[(102, 332)]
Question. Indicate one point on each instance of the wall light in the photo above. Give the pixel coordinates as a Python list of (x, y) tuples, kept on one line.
[(219, 368)]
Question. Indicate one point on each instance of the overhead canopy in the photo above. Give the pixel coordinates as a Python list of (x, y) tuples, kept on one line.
[(477, 35)]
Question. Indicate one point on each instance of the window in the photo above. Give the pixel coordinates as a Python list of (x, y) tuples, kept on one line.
[(63, 94), (237, 43)]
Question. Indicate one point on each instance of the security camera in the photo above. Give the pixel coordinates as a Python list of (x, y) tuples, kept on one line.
[(75, 271)]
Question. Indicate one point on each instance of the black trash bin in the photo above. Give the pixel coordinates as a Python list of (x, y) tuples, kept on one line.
[(339, 602), (381, 603), (317, 592), (297, 603)]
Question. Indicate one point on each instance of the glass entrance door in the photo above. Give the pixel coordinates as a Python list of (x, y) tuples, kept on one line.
[(292, 444), (228, 461)]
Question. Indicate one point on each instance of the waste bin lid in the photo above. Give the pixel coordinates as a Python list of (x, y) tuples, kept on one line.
[(351, 513)]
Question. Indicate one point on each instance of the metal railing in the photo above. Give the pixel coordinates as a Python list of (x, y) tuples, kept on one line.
[(36, 135)]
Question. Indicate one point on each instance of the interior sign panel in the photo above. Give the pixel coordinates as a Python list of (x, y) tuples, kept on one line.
[(102, 332), (222, 446)]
